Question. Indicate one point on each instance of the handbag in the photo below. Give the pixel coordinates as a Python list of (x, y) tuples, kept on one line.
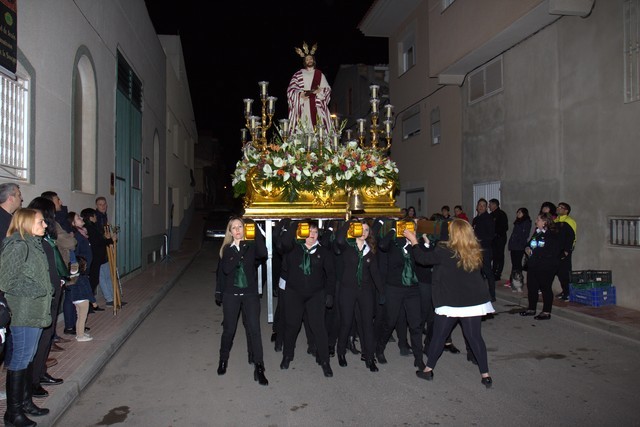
[(5, 312)]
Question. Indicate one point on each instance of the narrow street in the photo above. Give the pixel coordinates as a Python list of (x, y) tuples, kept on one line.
[(555, 372)]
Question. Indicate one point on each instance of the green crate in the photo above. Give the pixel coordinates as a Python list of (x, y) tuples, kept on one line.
[(590, 285)]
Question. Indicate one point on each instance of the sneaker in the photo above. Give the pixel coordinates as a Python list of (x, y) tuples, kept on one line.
[(84, 338), (507, 283), (88, 335)]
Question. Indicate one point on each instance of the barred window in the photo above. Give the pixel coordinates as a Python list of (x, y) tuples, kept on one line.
[(14, 137)]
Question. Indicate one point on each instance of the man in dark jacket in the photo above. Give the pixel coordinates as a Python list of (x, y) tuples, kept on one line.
[(485, 230), (500, 239)]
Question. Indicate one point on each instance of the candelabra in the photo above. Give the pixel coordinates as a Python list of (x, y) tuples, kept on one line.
[(376, 132), (259, 125)]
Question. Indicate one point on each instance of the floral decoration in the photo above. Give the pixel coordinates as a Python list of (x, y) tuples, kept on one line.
[(296, 166)]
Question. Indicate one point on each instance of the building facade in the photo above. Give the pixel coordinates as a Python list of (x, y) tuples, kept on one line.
[(98, 92), (536, 101)]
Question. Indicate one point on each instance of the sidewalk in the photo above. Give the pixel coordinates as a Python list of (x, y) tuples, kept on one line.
[(81, 362)]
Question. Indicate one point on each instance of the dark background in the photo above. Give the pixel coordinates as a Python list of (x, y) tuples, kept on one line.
[(230, 46)]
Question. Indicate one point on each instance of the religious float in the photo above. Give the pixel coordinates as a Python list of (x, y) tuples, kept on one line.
[(310, 167), (307, 171)]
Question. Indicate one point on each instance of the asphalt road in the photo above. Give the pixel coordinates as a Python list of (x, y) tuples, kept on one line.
[(555, 372)]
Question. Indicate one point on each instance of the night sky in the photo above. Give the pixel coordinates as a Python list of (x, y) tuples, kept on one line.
[(230, 46)]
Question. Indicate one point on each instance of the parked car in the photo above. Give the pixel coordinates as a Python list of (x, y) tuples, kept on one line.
[(215, 224)]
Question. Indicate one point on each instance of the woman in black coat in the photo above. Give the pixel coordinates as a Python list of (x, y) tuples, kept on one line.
[(518, 239), (359, 280), (237, 289), (543, 251), (459, 294)]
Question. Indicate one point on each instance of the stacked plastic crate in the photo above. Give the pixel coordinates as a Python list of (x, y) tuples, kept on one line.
[(592, 287)]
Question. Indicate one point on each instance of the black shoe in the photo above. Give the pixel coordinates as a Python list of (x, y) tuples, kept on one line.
[(285, 362), (371, 364), (342, 361), (69, 331), (273, 337), (471, 358), (326, 370), (258, 374), (419, 364), (424, 375), (528, 313), (487, 382), (39, 391), (47, 379), (351, 345), (250, 358), (332, 351), (364, 359), (222, 367), (30, 408), (451, 348), (543, 316), (381, 359), (405, 351), (98, 308), (109, 304)]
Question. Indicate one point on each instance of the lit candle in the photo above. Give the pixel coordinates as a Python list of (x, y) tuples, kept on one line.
[(334, 119), (247, 106), (374, 105), (271, 104), (387, 128), (263, 89), (284, 125), (360, 127), (389, 110), (374, 91), (243, 135), (253, 123)]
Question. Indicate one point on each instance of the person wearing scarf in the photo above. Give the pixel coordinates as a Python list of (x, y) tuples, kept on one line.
[(359, 279), (237, 291), (401, 290), (310, 288)]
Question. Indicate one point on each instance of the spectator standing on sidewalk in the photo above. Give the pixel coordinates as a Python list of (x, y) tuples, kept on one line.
[(500, 240), (100, 273), (485, 230), (27, 286), (568, 231), (518, 240)]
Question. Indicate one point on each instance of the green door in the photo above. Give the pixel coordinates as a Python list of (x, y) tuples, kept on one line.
[(128, 183)]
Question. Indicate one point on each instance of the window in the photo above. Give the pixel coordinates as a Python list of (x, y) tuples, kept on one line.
[(407, 52), (485, 81), (156, 169), (631, 18), (411, 123), (85, 127), (14, 129), (624, 231), (435, 126)]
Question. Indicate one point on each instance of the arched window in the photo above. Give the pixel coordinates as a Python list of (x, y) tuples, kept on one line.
[(85, 126)]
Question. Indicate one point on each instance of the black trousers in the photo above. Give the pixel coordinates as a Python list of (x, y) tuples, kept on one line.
[(564, 273), (487, 255), (516, 260), (498, 244), (364, 299), (540, 280), (231, 307), (46, 339), (471, 328), (409, 298), (313, 304)]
